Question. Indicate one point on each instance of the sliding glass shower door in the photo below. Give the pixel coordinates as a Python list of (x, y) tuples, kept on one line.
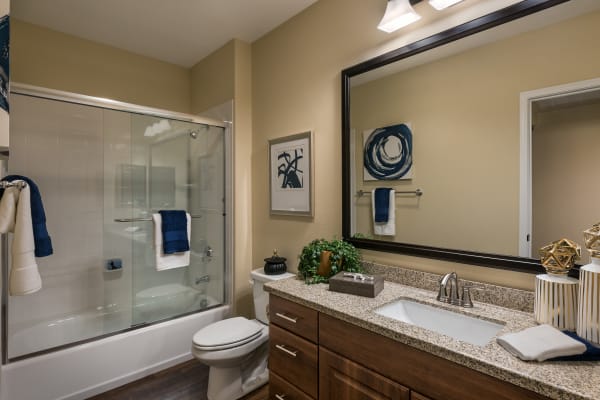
[(177, 166), (102, 174)]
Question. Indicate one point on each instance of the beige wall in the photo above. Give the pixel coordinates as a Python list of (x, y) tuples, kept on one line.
[(296, 87), (213, 79), (243, 179), (464, 114), (565, 193), (54, 60)]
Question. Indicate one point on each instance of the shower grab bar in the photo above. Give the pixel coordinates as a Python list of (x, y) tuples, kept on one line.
[(144, 219), (417, 192), (5, 184)]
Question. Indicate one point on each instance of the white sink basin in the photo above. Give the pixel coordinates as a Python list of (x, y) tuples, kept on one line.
[(458, 326)]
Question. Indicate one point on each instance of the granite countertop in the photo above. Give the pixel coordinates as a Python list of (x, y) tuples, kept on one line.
[(557, 380)]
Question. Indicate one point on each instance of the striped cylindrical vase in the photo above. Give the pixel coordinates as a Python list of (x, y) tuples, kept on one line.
[(588, 314), (556, 301)]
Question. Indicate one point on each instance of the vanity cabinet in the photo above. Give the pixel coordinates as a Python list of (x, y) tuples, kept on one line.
[(335, 360)]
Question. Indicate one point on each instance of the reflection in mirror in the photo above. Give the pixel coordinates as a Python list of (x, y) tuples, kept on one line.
[(564, 146), (485, 191)]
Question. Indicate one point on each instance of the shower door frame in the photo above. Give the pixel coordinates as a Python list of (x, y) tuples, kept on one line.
[(104, 103)]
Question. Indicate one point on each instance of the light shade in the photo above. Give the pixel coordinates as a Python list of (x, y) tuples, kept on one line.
[(441, 4), (398, 14)]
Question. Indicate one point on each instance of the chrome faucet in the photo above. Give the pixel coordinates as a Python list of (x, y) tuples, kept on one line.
[(453, 297)]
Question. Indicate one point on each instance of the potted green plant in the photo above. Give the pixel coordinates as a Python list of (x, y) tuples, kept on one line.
[(321, 259)]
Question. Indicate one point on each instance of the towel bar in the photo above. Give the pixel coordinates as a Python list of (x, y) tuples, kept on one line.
[(417, 192), (144, 219), (5, 184)]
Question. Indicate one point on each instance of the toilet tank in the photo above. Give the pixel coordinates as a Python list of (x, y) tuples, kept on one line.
[(261, 298)]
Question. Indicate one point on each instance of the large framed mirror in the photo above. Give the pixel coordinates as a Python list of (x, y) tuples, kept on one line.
[(502, 114)]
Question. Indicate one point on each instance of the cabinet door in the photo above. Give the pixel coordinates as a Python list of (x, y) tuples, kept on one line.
[(342, 379)]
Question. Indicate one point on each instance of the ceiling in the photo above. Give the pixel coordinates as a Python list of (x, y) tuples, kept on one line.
[(180, 32)]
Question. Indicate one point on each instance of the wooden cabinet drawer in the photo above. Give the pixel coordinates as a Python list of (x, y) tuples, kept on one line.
[(294, 317), (279, 389), (294, 359)]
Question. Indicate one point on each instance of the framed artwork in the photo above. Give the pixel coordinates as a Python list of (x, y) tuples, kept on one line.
[(387, 153), (290, 175)]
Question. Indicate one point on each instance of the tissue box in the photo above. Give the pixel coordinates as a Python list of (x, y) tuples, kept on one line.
[(347, 284)]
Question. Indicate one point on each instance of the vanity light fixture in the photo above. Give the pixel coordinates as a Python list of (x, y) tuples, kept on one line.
[(441, 4), (398, 14)]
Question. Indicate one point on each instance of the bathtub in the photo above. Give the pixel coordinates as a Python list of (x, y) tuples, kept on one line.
[(160, 302), (88, 369)]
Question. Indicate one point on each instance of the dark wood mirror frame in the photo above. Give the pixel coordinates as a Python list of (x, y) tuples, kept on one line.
[(520, 264)]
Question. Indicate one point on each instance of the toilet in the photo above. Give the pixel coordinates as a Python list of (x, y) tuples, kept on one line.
[(236, 349)]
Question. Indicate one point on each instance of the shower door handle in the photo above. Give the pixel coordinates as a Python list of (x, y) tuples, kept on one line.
[(209, 251)]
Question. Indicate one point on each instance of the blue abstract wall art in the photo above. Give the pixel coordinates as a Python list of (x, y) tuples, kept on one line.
[(388, 153)]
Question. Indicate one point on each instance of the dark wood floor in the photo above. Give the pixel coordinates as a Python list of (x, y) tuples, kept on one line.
[(185, 381)]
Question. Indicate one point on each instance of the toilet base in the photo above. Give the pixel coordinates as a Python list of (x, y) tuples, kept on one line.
[(235, 382), (226, 383)]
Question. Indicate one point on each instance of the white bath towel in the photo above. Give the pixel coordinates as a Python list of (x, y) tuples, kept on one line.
[(385, 228), (15, 216), (540, 343), (169, 261)]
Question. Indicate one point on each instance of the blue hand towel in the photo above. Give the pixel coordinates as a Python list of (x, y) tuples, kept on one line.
[(43, 244), (592, 353), (174, 231), (382, 204)]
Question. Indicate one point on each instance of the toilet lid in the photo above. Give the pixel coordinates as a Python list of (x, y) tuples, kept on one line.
[(227, 333)]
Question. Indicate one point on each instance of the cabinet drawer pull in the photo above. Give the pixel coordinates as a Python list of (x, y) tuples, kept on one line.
[(280, 396), (289, 352), (289, 319)]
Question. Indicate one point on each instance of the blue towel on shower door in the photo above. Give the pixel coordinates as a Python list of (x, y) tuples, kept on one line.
[(43, 244), (382, 204), (174, 231)]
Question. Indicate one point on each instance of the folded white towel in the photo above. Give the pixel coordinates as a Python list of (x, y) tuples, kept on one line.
[(540, 343), (385, 228), (169, 261), (15, 216)]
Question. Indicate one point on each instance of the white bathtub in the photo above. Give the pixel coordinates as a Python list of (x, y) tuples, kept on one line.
[(151, 304), (88, 369)]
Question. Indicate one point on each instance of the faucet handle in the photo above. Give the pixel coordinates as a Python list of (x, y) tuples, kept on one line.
[(465, 299)]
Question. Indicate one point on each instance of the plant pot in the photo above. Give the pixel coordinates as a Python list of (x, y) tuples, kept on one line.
[(325, 264)]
